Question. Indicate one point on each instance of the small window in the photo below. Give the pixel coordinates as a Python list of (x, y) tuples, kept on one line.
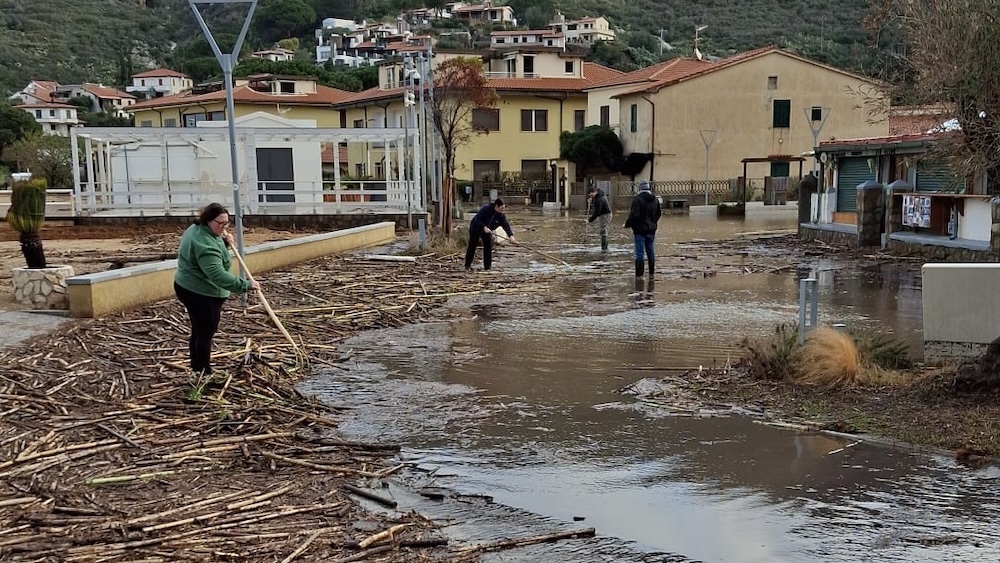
[(486, 119), (161, 82), (579, 119), (147, 123), (782, 114), (359, 123), (570, 67), (287, 87), (501, 40), (170, 122), (52, 126), (52, 113), (380, 170), (605, 116), (634, 118), (772, 82), (816, 114), (534, 120), (359, 169), (38, 114), (142, 81), (548, 42)]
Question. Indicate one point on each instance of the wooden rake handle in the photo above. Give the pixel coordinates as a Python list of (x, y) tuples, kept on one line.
[(267, 306)]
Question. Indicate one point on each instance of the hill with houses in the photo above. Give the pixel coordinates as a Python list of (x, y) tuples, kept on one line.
[(107, 41)]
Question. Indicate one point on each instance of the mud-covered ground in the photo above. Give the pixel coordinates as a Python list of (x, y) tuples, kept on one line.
[(117, 369)]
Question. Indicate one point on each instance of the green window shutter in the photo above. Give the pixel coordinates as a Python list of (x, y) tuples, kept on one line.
[(782, 114)]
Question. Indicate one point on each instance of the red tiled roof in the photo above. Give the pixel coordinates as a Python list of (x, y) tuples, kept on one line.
[(324, 96), (160, 73), (105, 92), (592, 73), (545, 32), (668, 70), (43, 90)]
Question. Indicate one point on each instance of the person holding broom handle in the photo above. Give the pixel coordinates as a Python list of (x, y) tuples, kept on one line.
[(203, 281), (481, 227)]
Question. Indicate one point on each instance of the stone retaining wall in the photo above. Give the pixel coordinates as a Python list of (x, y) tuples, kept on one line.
[(42, 288)]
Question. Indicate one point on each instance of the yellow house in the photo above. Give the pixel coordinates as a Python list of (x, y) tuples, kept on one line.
[(291, 97), (758, 104), (541, 90)]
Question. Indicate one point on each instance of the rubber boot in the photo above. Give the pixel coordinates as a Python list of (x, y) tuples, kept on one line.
[(604, 243), (638, 268), (652, 266)]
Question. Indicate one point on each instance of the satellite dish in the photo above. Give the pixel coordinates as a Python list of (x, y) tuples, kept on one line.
[(823, 157)]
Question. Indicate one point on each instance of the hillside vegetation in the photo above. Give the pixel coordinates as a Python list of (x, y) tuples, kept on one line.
[(107, 40)]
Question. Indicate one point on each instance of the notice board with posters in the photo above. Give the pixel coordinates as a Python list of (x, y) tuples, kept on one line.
[(917, 211)]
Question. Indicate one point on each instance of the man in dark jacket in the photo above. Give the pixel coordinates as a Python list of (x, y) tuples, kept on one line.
[(481, 227), (600, 211), (642, 219)]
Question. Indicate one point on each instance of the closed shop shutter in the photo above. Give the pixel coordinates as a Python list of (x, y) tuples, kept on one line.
[(853, 171), (937, 177)]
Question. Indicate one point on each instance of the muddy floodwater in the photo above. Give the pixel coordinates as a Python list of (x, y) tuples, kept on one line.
[(516, 410)]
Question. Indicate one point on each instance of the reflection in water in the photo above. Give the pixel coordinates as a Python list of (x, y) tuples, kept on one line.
[(522, 404)]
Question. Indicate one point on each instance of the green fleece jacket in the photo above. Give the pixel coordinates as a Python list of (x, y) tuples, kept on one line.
[(203, 264)]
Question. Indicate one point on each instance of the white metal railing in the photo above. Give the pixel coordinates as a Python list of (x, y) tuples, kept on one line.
[(508, 74), (153, 198)]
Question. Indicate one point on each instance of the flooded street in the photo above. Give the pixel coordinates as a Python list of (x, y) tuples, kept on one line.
[(520, 400)]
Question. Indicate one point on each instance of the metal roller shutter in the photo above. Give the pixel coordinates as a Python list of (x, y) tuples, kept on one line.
[(853, 171), (937, 177)]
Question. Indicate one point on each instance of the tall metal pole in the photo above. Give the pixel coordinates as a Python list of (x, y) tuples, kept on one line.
[(707, 138), (227, 62), (411, 114), (406, 138)]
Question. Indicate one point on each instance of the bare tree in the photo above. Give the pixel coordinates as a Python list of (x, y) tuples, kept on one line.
[(946, 53), (460, 87)]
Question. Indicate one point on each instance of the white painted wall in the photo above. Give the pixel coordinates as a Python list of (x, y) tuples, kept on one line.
[(961, 308), (977, 221)]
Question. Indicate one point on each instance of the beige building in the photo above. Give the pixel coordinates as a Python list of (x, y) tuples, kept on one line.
[(487, 12), (158, 82), (54, 118), (584, 30), (758, 104)]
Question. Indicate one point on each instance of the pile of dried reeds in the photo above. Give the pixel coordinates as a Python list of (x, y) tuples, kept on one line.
[(110, 451)]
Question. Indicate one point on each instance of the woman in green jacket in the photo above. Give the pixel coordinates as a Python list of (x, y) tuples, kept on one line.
[(203, 281)]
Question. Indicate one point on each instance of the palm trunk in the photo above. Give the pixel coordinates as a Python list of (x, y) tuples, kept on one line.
[(31, 248)]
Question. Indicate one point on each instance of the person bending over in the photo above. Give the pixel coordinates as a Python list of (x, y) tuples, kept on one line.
[(481, 228)]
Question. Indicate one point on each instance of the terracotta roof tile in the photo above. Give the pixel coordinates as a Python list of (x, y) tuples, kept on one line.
[(160, 73), (47, 106), (324, 96), (105, 92), (668, 70)]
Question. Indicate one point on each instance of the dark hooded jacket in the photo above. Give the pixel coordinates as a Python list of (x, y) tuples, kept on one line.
[(599, 205), (488, 216), (644, 214)]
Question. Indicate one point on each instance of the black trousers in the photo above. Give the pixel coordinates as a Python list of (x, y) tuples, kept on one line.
[(470, 252), (204, 313)]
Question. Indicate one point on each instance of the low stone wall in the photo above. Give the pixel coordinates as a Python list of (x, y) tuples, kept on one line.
[(42, 288), (829, 236), (103, 293), (933, 253), (961, 311)]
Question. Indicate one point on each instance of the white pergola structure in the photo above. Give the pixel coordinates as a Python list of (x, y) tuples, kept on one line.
[(176, 171)]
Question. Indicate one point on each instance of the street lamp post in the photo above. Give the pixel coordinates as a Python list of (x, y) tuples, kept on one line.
[(227, 61), (408, 102), (707, 138)]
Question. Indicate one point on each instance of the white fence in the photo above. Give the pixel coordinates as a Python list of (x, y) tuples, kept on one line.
[(58, 204)]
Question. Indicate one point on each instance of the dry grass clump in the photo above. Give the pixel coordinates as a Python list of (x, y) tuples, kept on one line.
[(828, 358)]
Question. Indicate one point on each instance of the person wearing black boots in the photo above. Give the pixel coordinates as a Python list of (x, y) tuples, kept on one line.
[(642, 219)]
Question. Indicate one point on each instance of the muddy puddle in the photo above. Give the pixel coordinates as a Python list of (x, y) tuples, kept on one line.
[(516, 412)]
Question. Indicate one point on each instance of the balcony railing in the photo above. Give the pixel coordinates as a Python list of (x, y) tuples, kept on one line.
[(507, 74)]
